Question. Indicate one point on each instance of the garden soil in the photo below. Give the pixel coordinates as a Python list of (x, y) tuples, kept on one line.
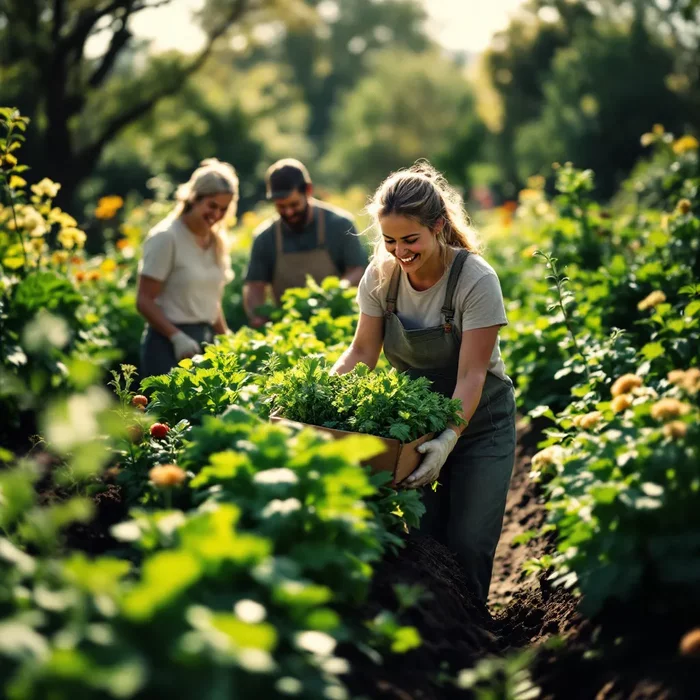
[(632, 656)]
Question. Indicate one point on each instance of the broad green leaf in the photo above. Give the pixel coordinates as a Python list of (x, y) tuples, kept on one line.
[(164, 577), (653, 350)]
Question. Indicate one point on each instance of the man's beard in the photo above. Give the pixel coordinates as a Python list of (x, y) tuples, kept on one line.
[(298, 222)]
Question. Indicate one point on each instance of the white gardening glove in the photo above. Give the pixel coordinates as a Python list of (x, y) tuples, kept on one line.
[(436, 452), (184, 345)]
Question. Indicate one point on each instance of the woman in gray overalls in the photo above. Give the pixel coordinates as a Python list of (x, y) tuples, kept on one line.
[(435, 306)]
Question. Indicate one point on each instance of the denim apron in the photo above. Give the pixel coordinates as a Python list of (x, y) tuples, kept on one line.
[(466, 510)]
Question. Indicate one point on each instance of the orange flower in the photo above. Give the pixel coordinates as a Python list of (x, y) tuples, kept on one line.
[(621, 403), (654, 299), (107, 207), (590, 420), (667, 408), (167, 475), (675, 429), (122, 243), (625, 383)]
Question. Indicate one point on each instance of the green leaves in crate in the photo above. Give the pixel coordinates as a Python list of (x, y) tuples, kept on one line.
[(387, 404)]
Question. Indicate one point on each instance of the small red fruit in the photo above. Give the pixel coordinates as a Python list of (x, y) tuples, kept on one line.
[(139, 400), (159, 430)]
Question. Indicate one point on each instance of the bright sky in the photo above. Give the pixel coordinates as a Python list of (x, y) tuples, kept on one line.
[(462, 25)]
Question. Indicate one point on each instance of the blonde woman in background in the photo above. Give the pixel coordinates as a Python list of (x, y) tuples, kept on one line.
[(435, 306), (184, 269)]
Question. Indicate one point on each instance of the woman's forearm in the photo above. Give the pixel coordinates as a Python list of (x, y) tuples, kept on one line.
[(350, 358), (148, 308), (219, 326), (468, 391)]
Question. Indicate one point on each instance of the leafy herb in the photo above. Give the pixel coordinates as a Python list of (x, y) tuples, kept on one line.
[(388, 404)]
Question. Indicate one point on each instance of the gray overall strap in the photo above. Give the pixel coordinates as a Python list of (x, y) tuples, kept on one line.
[(448, 306), (393, 292)]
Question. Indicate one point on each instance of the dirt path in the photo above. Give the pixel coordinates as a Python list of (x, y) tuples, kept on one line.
[(634, 657)]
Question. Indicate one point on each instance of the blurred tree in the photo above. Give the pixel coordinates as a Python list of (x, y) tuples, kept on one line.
[(245, 117), (80, 104), (579, 79), (512, 73), (329, 58), (604, 91), (407, 107)]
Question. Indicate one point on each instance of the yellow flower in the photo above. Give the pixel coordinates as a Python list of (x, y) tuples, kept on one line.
[(625, 383), (667, 408), (108, 265), (60, 217), (621, 403), (685, 144), (654, 299), (590, 420), (691, 380), (107, 207), (60, 257), (72, 237), (549, 455), (647, 139), (658, 129), (529, 194), (8, 160), (93, 275), (167, 475), (529, 251), (46, 188), (31, 221), (684, 206), (16, 182), (675, 429)]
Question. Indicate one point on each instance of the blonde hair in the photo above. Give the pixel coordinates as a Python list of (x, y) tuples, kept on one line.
[(212, 177), (421, 193)]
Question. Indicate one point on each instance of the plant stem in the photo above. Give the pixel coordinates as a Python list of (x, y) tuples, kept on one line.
[(567, 319)]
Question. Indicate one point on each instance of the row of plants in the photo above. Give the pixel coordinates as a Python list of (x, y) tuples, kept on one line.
[(239, 548), (612, 362), (227, 568)]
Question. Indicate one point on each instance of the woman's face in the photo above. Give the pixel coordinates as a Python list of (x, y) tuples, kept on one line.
[(211, 209), (410, 243)]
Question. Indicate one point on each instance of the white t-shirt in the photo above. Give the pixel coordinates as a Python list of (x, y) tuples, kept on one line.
[(193, 281), (478, 301)]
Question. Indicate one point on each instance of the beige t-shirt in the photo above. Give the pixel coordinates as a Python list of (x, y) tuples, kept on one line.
[(193, 281), (478, 301)]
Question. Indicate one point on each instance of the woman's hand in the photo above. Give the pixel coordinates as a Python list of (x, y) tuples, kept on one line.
[(184, 345), (436, 452), (365, 346)]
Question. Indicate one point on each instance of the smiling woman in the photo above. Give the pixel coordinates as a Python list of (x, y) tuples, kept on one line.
[(184, 270), (435, 306)]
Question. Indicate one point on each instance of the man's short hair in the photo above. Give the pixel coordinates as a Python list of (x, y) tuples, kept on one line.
[(285, 177)]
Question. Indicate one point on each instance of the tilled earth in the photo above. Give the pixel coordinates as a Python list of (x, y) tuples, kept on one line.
[(634, 655)]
